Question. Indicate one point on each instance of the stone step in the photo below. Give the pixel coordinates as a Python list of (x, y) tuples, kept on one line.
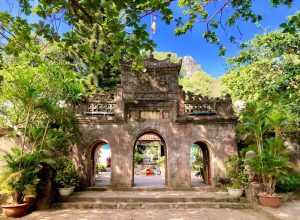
[(150, 205), (147, 197), (155, 189)]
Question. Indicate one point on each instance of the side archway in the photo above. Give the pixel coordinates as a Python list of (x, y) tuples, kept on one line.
[(99, 163), (200, 160)]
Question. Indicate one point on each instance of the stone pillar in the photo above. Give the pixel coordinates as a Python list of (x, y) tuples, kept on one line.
[(121, 168), (119, 110), (45, 194), (179, 175), (181, 97), (254, 187)]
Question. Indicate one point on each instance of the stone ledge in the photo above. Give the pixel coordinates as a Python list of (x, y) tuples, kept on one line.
[(183, 205)]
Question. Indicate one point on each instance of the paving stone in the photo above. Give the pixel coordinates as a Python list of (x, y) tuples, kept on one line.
[(141, 214), (287, 211)]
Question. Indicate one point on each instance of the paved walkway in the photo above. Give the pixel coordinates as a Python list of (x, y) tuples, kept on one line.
[(103, 179), (142, 214), (287, 211)]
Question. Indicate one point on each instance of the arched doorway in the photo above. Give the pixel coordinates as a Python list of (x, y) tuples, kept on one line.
[(200, 164), (100, 165), (149, 161)]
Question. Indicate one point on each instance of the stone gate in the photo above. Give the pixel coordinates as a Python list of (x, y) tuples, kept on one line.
[(153, 101)]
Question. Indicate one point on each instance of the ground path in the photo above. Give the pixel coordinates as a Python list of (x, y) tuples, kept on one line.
[(142, 214)]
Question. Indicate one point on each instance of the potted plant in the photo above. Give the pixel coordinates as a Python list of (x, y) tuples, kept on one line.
[(271, 165), (19, 174), (236, 173), (66, 177)]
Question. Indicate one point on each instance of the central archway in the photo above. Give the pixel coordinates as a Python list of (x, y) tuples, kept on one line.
[(149, 160)]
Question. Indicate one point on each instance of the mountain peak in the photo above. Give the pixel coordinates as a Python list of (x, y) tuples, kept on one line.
[(189, 67)]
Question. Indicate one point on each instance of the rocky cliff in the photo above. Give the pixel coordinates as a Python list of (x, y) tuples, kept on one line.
[(189, 67)]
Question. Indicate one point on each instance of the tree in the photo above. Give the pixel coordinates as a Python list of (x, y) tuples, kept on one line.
[(266, 124), (115, 28), (100, 32), (163, 55), (34, 97), (199, 11), (267, 68), (201, 83)]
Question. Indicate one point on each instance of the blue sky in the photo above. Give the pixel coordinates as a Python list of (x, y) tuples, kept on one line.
[(206, 54), (105, 153), (192, 44)]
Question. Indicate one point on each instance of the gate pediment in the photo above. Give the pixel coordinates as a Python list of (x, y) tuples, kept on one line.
[(154, 95)]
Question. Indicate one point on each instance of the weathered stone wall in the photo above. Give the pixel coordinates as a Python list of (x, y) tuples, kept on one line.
[(5, 145), (220, 140), (153, 101)]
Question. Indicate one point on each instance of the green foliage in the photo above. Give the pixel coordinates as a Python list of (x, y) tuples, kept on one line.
[(264, 124), (21, 171), (104, 33), (35, 95), (236, 172), (138, 157), (66, 174), (290, 183), (267, 69), (161, 161), (292, 25), (271, 164), (164, 55), (260, 119), (196, 11), (197, 158), (57, 139), (100, 167), (203, 84), (154, 148)]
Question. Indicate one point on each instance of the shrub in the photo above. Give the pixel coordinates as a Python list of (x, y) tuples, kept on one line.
[(100, 167), (272, 164), (66, 174), (161, 161), (236, 172), (138, 157), (21, 171), (290, 183)]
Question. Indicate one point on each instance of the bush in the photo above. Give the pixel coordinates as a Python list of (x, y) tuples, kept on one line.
[(21, 172), (161, 161), (236, 172), (290, 183), (138, 157), (66, 174), (100, 167), (197, 160)]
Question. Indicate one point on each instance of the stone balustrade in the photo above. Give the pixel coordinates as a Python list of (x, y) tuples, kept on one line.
[(198, 105), (100, 108)]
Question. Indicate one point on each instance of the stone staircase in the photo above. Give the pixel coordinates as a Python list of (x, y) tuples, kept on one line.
[(149, 198)]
